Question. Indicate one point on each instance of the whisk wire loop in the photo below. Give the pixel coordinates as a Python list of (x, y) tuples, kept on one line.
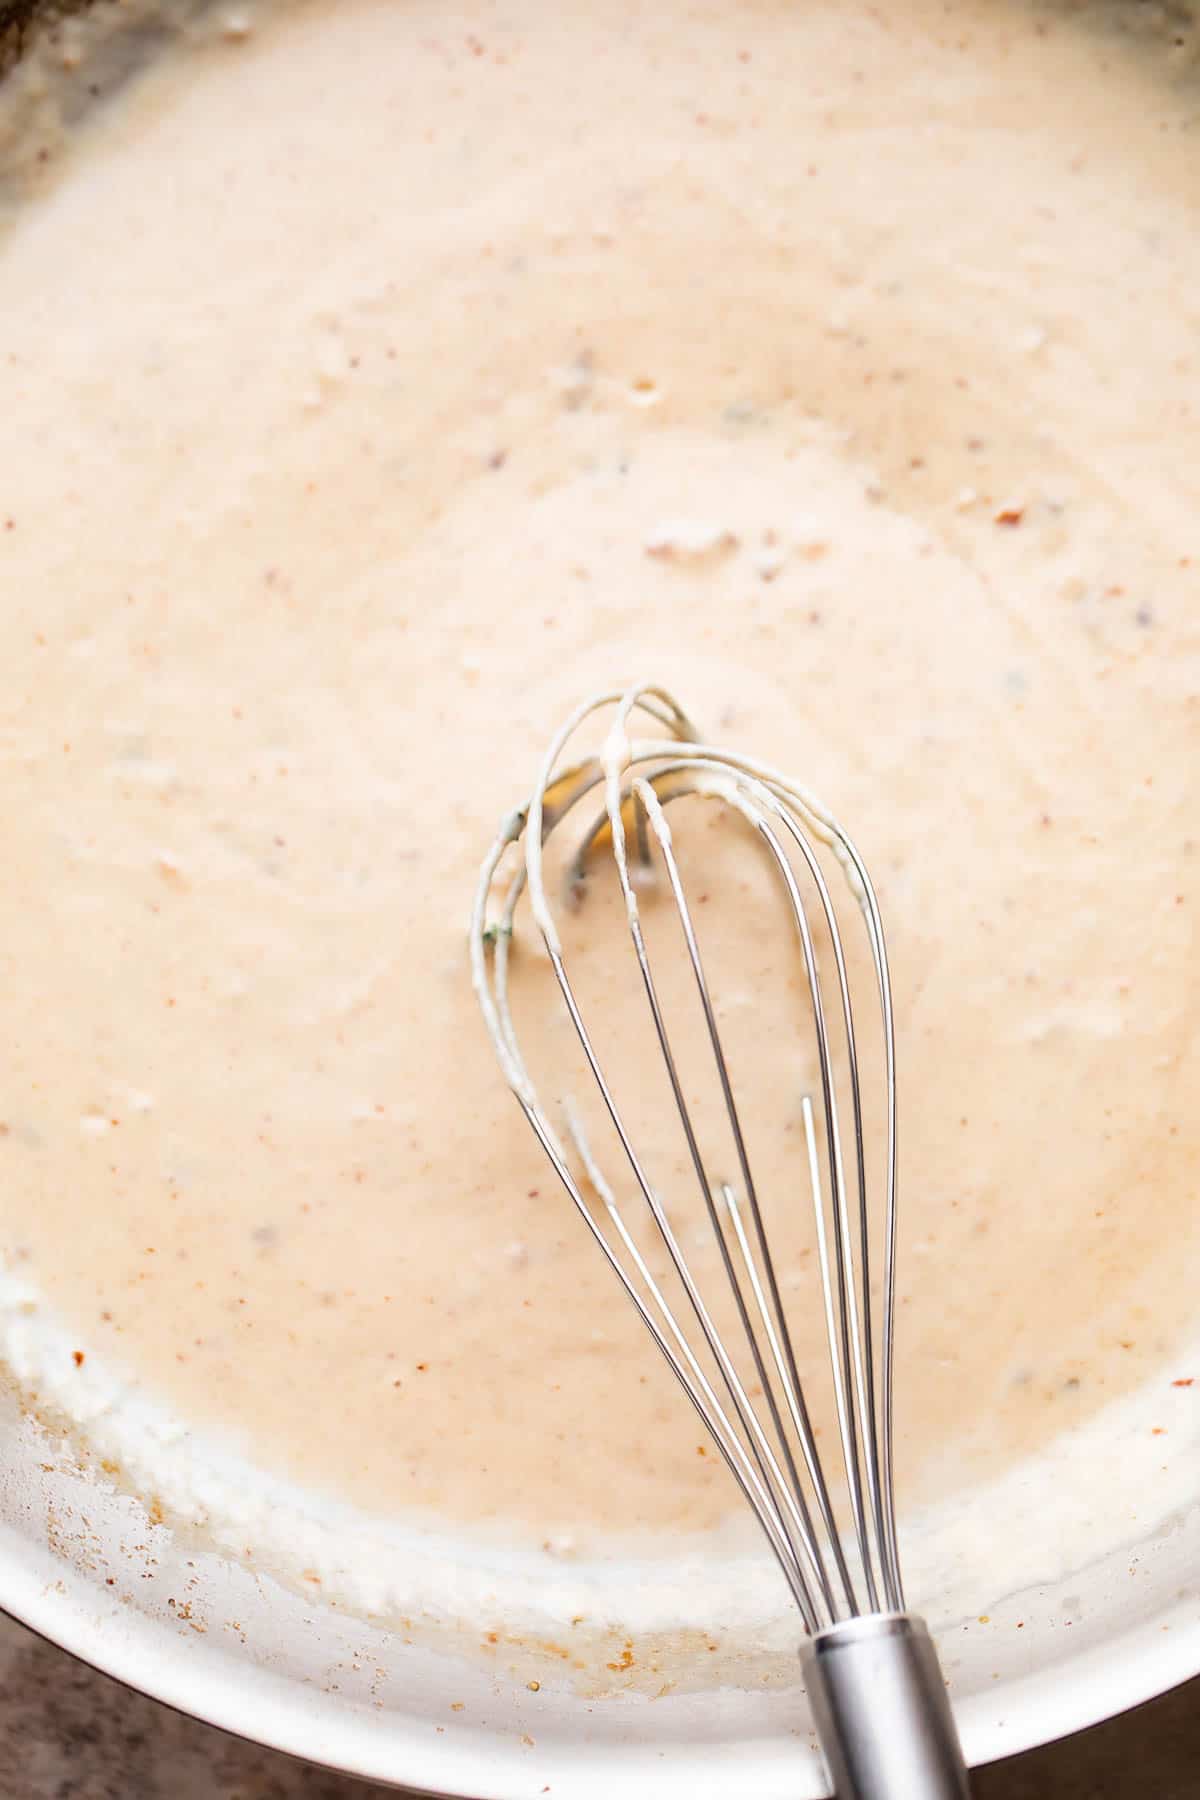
[(770, 1448)]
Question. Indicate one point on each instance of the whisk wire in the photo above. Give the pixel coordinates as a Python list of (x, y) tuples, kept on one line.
[(706, 1186), (779, 1338), (797, 1407), (752, 1470), (688, 1370), (787, 1501), (760, 1452), (847, 1345)]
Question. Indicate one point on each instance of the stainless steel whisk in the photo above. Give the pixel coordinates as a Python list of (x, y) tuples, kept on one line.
[(878, 1698)]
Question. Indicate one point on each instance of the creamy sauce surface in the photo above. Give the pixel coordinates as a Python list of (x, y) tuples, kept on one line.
[(376, 383)]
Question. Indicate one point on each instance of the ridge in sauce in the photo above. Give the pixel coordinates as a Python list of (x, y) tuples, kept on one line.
[(375, 383)]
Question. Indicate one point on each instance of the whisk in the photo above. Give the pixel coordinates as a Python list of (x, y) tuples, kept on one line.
[(876, 1691)]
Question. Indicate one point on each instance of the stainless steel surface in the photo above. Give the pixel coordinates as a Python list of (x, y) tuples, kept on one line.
[(880, 1703), (68, 1730), (877, 1691)]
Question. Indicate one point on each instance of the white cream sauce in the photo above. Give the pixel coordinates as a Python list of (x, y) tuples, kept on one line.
[(376, 384)]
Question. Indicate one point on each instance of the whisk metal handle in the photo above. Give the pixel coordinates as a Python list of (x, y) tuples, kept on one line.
[(881, 1711)]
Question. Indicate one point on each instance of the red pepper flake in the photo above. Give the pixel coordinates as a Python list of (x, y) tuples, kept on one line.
[(1010, 514), (422, 1367), (79, 1358), (1184, 1381), (1158, 1431)]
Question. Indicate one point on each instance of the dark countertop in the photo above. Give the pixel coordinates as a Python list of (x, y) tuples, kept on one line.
[(71, 1734)]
